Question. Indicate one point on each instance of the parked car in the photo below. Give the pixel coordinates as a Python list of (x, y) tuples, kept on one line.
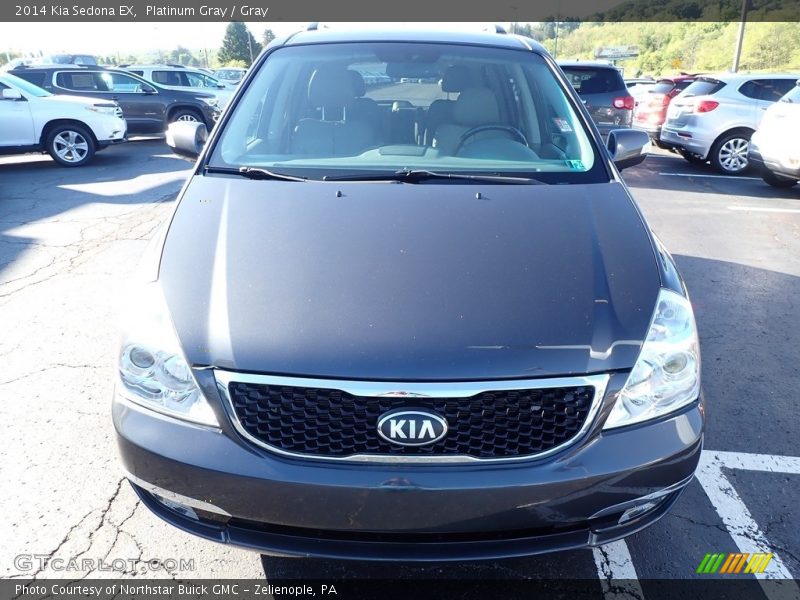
[(348, 345), (186, 79), (147, 107), (231, 76), (603, 91), (68, 59), (650, 111), (775, 145), (714, 117), (68, 128)]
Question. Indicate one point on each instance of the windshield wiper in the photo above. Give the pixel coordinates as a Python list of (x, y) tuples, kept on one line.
[(255, 173), (417, 175)]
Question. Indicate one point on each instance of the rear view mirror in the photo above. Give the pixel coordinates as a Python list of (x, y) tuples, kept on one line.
[(187, 137), (11, 94), (148, 89), (628, 147)]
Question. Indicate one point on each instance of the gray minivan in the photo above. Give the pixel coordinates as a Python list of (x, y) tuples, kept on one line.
[(414, 317)]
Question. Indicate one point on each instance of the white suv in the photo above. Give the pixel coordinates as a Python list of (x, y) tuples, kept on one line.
[(69, 128), (713, 119), (178, 77)]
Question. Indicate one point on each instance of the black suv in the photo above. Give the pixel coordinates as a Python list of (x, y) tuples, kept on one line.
[(603, 92), (147, 107)]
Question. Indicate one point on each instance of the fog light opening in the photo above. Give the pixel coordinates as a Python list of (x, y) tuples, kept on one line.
[(177, 507), (637, 511)]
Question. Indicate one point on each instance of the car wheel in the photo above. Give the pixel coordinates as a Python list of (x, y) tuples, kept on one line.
[(776, 180), (729, 154), (70, 145), (186, 114), (695, 159)]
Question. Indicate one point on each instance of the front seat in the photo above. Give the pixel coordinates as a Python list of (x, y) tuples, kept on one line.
[(454, 79), (332, 94), (475, 106)]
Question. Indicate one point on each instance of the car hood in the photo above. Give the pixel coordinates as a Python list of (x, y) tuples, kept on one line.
[(408, 282)]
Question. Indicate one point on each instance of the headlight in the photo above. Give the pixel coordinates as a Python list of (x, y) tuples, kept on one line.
[(152, 369), (103, 109), (210, 101), (667, 374)]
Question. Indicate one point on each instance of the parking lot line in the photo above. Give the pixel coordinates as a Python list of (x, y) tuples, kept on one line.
[(616, 571), (710, 176), (735, 515), (764, 209)]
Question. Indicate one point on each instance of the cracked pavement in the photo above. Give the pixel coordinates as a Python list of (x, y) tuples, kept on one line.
[(71, 238)]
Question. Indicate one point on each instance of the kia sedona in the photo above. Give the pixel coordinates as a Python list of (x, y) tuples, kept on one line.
[(420, 318), (70, 129)]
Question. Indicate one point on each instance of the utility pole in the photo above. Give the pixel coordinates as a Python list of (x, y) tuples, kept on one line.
[(555, 49), (249, 43), (740, 40)]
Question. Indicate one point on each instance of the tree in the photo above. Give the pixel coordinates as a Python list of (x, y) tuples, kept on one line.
[(238, 44), (268, 36)]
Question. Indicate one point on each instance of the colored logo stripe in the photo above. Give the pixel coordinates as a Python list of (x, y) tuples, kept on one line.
[(734, 562)]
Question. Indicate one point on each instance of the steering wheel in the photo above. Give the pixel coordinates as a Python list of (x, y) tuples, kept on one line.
[(516, 133)]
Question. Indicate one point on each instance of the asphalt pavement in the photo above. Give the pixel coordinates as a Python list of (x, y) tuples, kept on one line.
[(69, 243)]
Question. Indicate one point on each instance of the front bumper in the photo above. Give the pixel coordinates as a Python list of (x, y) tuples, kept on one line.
[(111, 130), (246, 496)]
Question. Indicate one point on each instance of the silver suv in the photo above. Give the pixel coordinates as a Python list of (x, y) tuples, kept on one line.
[(713, 119)]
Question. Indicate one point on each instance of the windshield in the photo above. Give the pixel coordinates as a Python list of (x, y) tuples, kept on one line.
[(333, 109), (25, 86)]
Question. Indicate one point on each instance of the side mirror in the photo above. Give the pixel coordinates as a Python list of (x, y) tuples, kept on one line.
[(148, 89), (628, 147), (11, 94), (187, 137)]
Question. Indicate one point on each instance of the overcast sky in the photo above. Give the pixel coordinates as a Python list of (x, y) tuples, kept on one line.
[(111, 38)]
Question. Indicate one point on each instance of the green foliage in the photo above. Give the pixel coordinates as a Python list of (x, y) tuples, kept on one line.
[(672, 47), (238, 44), (267, 37)]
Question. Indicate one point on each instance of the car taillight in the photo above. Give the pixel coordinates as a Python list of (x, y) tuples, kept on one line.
[(705, 106), (626, 102)]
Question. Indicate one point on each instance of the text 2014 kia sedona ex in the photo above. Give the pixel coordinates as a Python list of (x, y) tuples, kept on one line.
[(407, 309)]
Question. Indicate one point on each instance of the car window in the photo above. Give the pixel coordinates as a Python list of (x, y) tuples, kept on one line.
[(782, 86), (199, 80), (594, 80), (82, 81), (170, 78), (137, 72), (37, 79), (389, 106), (703, 86), (792, 95), (27, 87), (119, 82), (763, 89)]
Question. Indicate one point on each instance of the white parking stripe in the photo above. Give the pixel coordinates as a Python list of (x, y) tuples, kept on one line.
[(709, 176), (764, 209), (616, 572), (737, 518)]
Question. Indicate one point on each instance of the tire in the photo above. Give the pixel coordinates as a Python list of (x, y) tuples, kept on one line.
[(776, 180), (691, 158), (70, 145), (186, 114), (729, 153)]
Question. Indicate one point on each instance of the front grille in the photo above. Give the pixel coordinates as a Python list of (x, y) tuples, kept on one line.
[(326, 422)]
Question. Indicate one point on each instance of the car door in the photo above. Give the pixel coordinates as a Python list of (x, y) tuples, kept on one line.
[(141, 99), (16, 121)]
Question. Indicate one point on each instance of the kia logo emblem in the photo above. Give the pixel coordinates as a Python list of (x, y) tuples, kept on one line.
[(412, 427)]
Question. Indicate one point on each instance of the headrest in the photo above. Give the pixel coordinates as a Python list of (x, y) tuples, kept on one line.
[(455, 78), (476, 106), (357, 81), (331, 88)]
